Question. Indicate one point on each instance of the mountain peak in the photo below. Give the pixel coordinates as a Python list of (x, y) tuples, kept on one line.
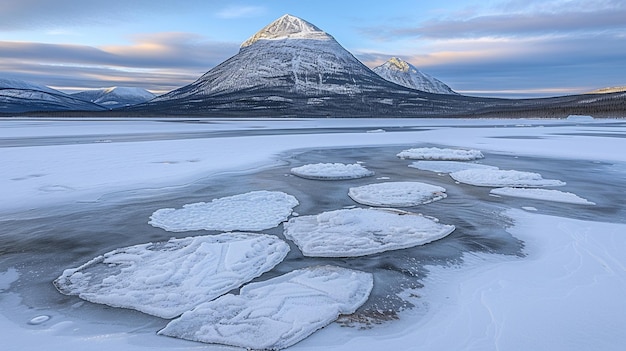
[(399, 64), (288, 27), (398, 71)]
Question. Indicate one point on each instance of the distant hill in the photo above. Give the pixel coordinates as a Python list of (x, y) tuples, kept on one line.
[(115, 97), (609, 90), (17, 96)]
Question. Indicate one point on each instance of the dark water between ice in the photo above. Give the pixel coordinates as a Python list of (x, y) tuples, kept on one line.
[(41, 246)]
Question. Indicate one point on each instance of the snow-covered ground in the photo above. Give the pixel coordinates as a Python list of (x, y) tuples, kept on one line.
[(566, 293)]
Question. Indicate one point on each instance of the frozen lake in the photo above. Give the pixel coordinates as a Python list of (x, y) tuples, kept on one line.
[(77, 189)]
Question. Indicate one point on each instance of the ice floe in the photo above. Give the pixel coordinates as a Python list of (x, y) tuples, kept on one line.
[(331, 171), (542, 194), (168, 278), (359, 232), (397, 194), (276, 313), (503, 178), (448, 166), (434, 153), (256, 210)]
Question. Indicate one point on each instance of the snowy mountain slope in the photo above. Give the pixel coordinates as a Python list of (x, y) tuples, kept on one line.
[(18, 96), (292, 67), (290, 54), (116, 97), (403, 73), (23, 85)]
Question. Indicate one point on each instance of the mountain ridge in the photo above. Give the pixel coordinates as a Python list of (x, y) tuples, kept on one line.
[(403, 73)]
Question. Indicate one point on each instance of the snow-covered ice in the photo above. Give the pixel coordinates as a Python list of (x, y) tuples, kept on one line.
[(503, 178), (166, 279), (359, 232), (579, 118), (255, 210), (448, 166), (397, 194), (434, 153), (542, 194), (565, 294), (276, 313), (332, 171)]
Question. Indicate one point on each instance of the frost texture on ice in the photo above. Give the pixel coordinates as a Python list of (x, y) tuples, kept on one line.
[(542, 194), (331, 171), (256, 210), (276, 313), (434, 153), (397, 194), (166, 279), (503, 178), (359, 232), (447, 166)]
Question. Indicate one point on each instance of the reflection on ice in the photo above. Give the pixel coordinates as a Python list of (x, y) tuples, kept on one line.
[(331, 171), (434, 153), (359, 232), (276, 313), (256, 210), (169, 278), (397, 194), (503, 178)]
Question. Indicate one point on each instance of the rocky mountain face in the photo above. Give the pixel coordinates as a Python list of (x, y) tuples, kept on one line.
[(403, 73), (116, 97), (18, 96)]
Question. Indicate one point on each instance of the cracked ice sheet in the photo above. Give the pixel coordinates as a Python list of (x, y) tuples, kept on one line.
[(256, 210), (276, 313), (331, 171), (503, 178), (359, 232), (543, 194), (448, 166), (166, 279), (397, 194), (434, 153)]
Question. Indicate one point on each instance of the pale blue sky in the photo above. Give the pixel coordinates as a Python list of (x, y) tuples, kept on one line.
[(508, 48)]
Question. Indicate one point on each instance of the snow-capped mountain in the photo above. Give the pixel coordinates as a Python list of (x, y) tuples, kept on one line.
[(292, 67), (289, 54), (403, 73), (18, 96), (116, 97)]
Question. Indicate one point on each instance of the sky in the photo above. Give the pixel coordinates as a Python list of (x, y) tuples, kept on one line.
[(501, 48)]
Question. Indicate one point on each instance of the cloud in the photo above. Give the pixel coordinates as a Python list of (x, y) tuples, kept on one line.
[(29, 14), (241, 12), (541, 66), (531, 20), (158, 61)]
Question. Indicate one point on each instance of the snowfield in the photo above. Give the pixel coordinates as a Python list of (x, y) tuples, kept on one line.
[(256, 210), (331, 171), (503, 178), (564, 293), (276, 313), (397, 194), (358, 232), (434, 153), (167, 279)]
